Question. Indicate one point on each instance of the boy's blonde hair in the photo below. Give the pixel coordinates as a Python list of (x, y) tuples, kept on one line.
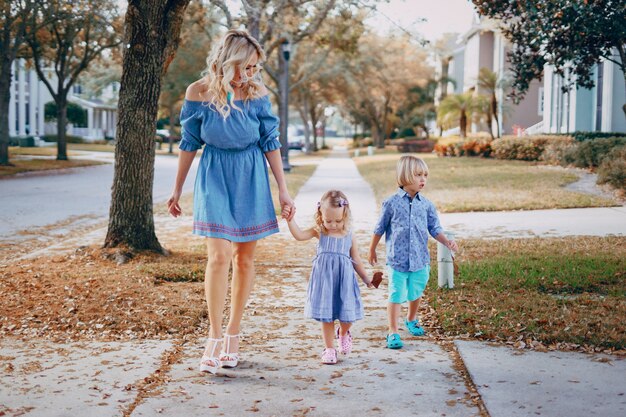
[(408, 168), (333, 198), (235, 51)]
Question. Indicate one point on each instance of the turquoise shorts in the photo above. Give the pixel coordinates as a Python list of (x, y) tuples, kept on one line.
[(407, 286)]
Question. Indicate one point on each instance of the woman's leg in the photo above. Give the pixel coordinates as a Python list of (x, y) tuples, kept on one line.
[(243, 281), (219, 254)]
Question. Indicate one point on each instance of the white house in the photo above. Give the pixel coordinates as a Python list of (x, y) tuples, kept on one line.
[(29, 96), (483, 46), (583, 109)]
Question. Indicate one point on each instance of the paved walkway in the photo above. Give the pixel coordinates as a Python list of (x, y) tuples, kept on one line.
[(281, 374)]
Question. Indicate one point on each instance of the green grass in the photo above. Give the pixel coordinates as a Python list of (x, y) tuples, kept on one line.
[(535, 288), (19, 166), (479, 184)]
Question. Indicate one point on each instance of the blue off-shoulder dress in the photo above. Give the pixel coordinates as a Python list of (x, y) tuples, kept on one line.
[(232, 198)]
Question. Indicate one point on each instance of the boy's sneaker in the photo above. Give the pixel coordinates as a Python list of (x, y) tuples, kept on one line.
[(394, 341), (344, 342), (329, 356), (414, 327)]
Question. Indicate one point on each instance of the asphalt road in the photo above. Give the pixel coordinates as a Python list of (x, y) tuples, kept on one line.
[(73, 195)]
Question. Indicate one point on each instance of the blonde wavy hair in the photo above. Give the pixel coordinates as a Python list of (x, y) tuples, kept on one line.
[(333, 198), (235, 51)]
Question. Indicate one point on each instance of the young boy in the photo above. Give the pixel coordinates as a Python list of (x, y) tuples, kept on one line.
[(406, 220)]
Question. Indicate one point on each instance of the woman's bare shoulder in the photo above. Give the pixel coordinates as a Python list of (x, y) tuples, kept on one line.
[(197, 91)]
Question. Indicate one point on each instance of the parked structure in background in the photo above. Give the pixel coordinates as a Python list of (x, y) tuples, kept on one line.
[(545, 108), (29, 96)]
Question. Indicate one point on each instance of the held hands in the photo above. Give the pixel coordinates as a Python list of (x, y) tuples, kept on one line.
[(287, 206), (172, 204)]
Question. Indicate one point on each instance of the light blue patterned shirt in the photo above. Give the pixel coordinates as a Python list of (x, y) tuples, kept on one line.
[(406, 224)]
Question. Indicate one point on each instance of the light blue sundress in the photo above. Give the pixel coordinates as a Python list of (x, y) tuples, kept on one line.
[(333, 292), (232, 198)]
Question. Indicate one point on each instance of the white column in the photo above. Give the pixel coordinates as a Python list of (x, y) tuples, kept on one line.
[(607, 96), (41, 109), (12, 101), (547, 99), (32, 103), (104, 123), (90, 122), (21, 98)]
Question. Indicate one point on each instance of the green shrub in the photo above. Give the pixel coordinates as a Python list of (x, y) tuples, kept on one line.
[(525, 148), (589, 154), (612, 170), (583, 136), (473, 146), (68, 139), (554, 152)]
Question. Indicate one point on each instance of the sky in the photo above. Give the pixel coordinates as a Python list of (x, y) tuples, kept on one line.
[(441, 16)]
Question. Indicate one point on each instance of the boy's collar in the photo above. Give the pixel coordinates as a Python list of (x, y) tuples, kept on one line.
[(403, 193)]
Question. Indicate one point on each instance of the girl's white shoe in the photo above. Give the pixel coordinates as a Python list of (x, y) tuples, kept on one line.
[(229, 360), (210, 363)]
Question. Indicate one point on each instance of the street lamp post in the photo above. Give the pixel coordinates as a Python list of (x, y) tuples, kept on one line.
[(285, 48)]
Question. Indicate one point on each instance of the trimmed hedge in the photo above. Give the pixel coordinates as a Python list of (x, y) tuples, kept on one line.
[(468, 147), (68, 139), (583, 136), (590, 153), (416, 145), (526, 148), (612, 170)]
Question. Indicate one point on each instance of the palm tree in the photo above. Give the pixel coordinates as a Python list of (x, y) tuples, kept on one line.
[(488, 83), (458, 109)]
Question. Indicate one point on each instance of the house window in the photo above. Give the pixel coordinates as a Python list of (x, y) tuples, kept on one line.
[(599, 86), (77, 89), (540, 102)]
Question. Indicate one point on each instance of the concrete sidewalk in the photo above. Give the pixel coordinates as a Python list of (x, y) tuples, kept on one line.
[(280, 374)]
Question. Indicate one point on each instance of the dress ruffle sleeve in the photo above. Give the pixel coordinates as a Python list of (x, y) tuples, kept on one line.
[(190, 121), (268, 127)]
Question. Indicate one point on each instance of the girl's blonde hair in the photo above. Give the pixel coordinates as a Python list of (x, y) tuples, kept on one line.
[(333, 198), (234, 52), (408, 168)]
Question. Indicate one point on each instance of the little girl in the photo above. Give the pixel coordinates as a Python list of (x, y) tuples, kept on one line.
[(333, 291)]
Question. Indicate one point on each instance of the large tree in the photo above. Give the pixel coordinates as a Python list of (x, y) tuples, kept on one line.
[(13, 20), (570, 35), (197, 34), (67, 35), (151, 34)]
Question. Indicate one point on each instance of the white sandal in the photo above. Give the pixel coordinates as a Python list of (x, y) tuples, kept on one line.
[(210, 363), (227, 359)]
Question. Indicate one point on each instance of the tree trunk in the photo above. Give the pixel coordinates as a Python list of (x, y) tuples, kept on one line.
[(152, 32), (494, 111), (5, 100), (463, 124), (305, 127), (61, 127)]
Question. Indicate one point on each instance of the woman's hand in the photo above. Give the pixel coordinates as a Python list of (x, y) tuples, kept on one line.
[(172, 204), (287, 206), (452, 246)]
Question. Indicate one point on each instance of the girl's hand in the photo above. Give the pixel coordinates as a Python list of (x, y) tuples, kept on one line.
[(287, 206), (285, 211), (368, 281), (172, 204), (372, 258)]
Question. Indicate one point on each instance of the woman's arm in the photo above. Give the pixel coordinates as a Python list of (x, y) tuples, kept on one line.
[(185, 159), (358, 264), (300, 234), (276, 165)]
